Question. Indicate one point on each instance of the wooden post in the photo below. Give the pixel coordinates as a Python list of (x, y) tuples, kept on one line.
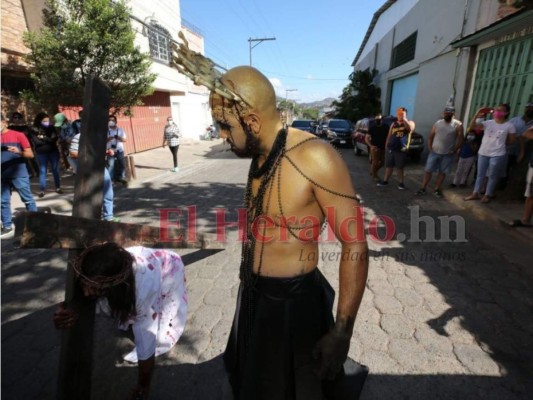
[(75, 362)]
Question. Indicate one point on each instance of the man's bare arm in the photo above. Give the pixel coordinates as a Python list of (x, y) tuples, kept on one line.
[(348, 224)]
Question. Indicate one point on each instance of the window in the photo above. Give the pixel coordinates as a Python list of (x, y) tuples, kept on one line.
[(404, 51), (159, 39)]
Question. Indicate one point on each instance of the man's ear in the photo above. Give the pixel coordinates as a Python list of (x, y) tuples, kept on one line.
[(254, 123)]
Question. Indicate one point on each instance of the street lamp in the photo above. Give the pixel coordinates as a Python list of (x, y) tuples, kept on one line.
[(250, 40)]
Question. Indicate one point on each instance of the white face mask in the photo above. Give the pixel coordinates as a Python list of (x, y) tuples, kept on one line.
[(479, 121), (112, 124), (170, 121)]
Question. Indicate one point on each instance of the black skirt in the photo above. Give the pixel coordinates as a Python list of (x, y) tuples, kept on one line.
[(276, 326)]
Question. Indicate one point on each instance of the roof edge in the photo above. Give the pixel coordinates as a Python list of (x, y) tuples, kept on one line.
[(371, 26)]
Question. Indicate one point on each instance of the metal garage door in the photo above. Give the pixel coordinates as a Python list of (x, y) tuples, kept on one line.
[(505, 75), (404, 94)]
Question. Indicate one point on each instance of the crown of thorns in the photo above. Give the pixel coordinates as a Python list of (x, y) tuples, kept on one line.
[(100, 281), (201, 70)]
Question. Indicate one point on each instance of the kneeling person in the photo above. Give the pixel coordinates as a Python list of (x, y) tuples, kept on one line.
[(140, 287)]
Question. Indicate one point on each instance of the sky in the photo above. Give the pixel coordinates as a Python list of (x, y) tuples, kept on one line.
[(316, 40)]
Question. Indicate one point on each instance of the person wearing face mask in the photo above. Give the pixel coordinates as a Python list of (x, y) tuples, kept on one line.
[(375, 139), (45, 138), (445, 139), (467, 156), (116, 137), (492, 153), (396, 145), (171, 136)]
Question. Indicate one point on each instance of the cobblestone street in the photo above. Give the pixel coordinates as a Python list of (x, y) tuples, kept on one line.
[(448, 318)]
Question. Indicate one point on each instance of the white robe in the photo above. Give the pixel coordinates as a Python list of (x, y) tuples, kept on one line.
[(161, 298)]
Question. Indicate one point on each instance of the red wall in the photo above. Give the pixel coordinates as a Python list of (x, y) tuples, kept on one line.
[(144, 130)]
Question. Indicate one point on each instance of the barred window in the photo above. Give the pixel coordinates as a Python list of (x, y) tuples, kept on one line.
[(159, 39), (404, 51)]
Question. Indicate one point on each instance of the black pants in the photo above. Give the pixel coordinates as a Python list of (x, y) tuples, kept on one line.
[(174, 151)]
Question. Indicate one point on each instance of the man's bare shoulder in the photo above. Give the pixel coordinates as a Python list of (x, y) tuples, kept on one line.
[(311, 152)]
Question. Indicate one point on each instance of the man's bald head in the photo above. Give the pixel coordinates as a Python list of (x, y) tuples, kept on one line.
[(253, 87)]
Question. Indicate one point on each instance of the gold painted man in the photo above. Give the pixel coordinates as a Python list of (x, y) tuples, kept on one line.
[(284, 342)]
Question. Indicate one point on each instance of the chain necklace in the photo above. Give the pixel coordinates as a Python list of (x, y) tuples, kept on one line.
[(257, 207)]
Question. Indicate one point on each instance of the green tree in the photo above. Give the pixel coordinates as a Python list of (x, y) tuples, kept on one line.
[(84, 37), (310, 113), (360, 98)]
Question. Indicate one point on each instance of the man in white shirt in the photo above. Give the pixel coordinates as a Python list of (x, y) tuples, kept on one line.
[(116, 137), (445, 139)]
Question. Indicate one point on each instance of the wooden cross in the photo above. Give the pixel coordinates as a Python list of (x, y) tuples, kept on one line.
[(84, 228)]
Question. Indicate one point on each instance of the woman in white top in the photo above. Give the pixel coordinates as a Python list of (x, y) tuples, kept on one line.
[(498, 133), (140, 287)]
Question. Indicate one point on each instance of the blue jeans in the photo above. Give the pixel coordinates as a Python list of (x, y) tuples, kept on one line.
[(490, 167), (107, 204), (116, 166), (22, 186), (44, 159)]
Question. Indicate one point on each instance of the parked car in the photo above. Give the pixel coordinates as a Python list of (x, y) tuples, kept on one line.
[(339, 132), (322, 129), (358, 138), (307, 125)]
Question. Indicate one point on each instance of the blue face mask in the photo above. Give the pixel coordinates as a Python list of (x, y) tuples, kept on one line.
[(45, 124)]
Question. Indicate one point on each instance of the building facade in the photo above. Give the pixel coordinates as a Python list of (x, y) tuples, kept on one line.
[(409, 42), (157, 24)]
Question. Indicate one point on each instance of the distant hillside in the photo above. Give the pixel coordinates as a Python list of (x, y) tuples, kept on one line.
[(318, 104)]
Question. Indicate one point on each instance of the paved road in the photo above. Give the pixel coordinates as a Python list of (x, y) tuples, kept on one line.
[(441, 319)]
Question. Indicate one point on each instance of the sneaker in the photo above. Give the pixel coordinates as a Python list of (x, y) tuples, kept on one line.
[(437, 193), (401, 186), (59, 191), (41, 194), (383, 183), (175, 169), (112, 219), (420, 192), (6, 231)]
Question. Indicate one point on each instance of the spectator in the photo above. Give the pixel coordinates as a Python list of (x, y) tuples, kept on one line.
[(17, 123), (15, 148), (492, 152), (467, 158), (521, 124), (397, 144), (45, 138), (172, 137), (116, 137), (109, 194), (65, 132), (445, 139), (375, 139), (525, 222)]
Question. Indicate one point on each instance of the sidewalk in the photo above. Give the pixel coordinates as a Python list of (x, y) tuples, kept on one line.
[(155, 164), (149, 165), (496, 214)]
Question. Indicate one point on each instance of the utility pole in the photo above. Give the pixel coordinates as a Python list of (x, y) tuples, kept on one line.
[(259, 40)]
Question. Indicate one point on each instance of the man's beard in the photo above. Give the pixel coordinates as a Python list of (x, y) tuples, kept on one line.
[(447, 119), (251, 145)]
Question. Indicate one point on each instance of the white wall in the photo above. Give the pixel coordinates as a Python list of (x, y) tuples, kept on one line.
[(192, 114), (440, 67), (167, 14)]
